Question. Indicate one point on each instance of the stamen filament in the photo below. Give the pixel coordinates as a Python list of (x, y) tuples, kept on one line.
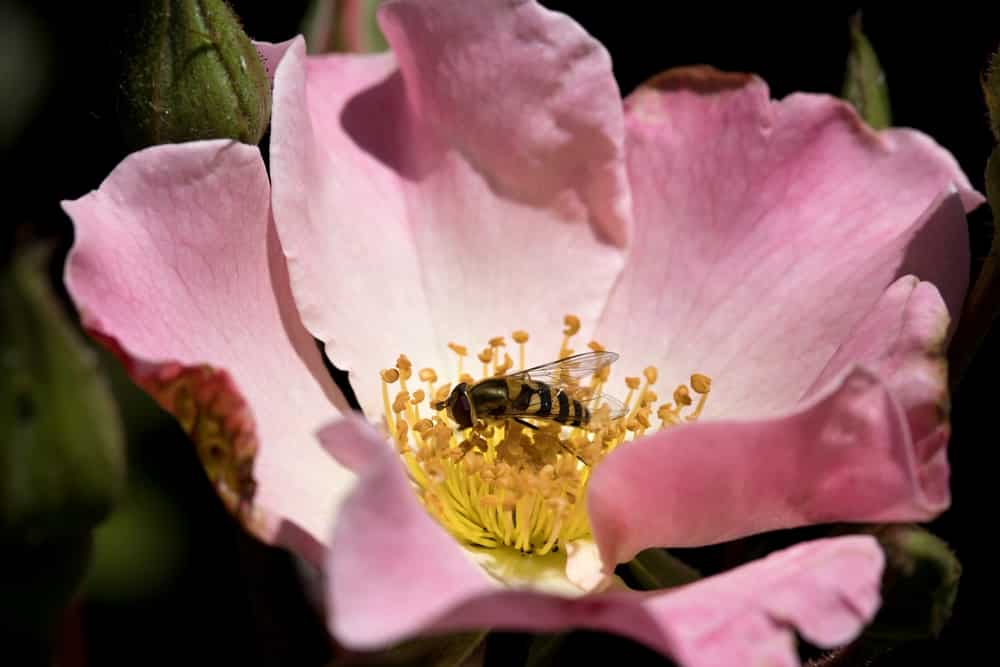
[(520, 337), (386, 406)]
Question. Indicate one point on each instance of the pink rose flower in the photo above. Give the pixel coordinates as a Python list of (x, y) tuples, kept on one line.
[(786, 277)]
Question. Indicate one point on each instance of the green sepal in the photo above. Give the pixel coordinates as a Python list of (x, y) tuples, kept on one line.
[(191, 73)]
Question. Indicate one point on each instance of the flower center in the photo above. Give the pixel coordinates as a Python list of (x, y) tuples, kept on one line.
[(516, 475)]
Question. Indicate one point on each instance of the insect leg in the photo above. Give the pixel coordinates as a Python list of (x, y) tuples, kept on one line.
[(524, 423)]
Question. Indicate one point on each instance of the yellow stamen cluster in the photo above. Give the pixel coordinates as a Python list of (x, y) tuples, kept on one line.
[(502, 483)]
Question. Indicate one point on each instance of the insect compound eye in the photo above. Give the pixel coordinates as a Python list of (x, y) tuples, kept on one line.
[(461, 410)]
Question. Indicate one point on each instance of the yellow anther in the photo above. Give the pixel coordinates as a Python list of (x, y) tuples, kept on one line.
[(417, 397), (428, 375), (472, 463), (441, 393), (669, 415), (404, 365), (390, 375), (572, 323), (595, 346), (401, 428), (650, 373), (399, 405), (497, 341), (649, 396), (461, 351), (633, 383), (702, 384), (642, 416), (486, 356), (705, 383), (682, 397), (423, 426), (466, 378), (501, 369)]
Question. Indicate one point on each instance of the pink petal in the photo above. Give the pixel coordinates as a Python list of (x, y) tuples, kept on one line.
[(392, 569), (394, 573), (271, 54), (847, 456), (176, 265), (827, 590), (459, 196), (903, 340), (766, 230)]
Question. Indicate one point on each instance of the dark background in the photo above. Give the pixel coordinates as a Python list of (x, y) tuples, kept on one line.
[(181, 583)]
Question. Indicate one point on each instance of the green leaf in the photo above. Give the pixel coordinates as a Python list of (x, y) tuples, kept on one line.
[(864, 83), (654, 569), (191, 73)]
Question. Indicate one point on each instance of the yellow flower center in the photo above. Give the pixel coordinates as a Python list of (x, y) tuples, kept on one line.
[(522, 483)]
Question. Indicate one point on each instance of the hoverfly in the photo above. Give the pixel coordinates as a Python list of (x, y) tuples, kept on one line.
[(549, 393)]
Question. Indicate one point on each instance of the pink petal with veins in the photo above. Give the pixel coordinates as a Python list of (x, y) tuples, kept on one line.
[(766, 230), (177, 267), (469, 183)]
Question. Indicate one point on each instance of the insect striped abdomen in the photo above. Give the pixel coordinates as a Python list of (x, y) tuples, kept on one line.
[(540, 399)]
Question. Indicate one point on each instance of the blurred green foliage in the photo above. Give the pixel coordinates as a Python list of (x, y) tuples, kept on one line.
[(62, 456), (344, 26)]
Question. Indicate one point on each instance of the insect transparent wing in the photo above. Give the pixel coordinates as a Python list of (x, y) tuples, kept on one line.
[(568, 371), (596, 404)]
